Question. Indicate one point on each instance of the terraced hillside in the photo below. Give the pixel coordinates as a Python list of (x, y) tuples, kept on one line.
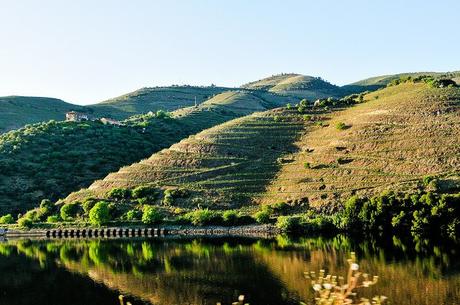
[(225, 166), (17, 111), (153, 99), (50, 160), (378, 82), (401, 134), (297, 85)]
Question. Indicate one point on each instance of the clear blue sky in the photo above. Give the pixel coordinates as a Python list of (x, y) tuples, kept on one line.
[(87, 51)]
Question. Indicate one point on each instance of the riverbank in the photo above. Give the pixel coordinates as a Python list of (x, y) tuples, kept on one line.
[(141, 231)]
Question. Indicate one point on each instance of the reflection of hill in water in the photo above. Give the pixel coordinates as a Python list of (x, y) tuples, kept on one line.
[(268, 272)]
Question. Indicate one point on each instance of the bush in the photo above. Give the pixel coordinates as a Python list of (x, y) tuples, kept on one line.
[(151, 215), (262, 216), (99, 214), (53, 219), (144, 191), (133, 215), (203, 217), (69, 211), (25, 223), (289, 224), (280, 207), (6, 219), (230, 217), (341, 126), (88, 204), (119, 194)]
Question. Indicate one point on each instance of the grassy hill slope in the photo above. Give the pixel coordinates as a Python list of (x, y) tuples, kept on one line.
[(153, 99), (401, 134), (50, 160), (374, 83), (296, 85), (17, 111)]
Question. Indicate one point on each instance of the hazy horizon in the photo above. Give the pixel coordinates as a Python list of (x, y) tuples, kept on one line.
[(88, 52)]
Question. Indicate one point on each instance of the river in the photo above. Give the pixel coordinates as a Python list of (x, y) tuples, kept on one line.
[(209, 270)]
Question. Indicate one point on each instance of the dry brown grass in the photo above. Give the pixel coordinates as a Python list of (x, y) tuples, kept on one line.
[(399, 135)]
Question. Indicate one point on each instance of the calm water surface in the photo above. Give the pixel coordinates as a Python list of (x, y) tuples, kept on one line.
[(205, 271)]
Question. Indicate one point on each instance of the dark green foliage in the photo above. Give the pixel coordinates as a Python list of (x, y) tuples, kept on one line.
[(426, 214), (69, 211), (88, 204), (6, 219), (144, 191), (99, 214), (119, 193), (151, 215)]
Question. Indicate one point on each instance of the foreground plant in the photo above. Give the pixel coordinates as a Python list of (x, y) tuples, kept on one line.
[(336, 290)]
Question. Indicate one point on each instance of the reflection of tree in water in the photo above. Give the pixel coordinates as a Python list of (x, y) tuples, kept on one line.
[(266, 271)]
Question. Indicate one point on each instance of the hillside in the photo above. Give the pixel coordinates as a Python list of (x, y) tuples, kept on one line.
[(153, 99), (296, 85), (378, 82), (398, 136), (225, 166), (50, 160), (17, 111)]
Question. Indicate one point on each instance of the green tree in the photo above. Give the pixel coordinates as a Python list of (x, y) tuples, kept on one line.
[(151, 215), (69, 211), (6, 219), (99, 214)]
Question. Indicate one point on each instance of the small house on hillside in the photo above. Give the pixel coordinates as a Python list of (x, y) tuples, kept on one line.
[(75, 116), (108, 121)]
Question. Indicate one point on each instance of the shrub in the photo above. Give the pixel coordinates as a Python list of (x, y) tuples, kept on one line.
[(133, 215), (25, 223), (306, 117), (69, 211), (289, 224), (203, 217), (119, 193), (307, 165), (341, 126), (88, 204), (151, 215), (168, 198), (53, 219), (280, 207), (6, 219), (230, 217), (144, 191), (427, 179), (288, 106), (99, 214), (46, 206), (262, 216)]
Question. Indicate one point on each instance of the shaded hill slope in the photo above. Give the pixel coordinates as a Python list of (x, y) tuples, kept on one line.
[(50, 160), (401, 134), (17, 111), (297, 85)]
